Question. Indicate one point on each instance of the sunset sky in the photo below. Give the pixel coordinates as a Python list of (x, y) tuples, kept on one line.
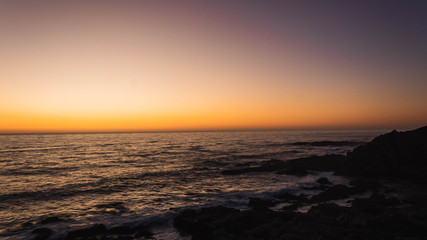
[(187, 65)]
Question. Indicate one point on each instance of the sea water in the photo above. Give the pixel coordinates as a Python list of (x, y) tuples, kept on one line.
[(130, 178)]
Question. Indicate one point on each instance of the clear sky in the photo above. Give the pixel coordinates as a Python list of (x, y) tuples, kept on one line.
[(178, 65)]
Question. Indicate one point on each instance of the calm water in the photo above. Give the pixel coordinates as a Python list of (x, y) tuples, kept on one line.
[(120, 179)]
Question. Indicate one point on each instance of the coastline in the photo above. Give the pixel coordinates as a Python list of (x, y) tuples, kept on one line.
[(396, 207), (389, 205)]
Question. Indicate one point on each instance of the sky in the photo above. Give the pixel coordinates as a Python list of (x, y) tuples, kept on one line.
[(202, 65)]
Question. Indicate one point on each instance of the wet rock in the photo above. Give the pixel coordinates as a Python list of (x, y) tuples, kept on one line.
[(42, 233), (125, 238), (53, 219), (247, 164), (143, 233), (97, 229), (337, 192), (370, 184), (292, 207), (323, 181), (190, 221), (328, 143), (324, 221), (376, 217), (300, 166), (395, 222), (294, 169), (288, 197), (376, 204), (261, 203), (395, 154), (267, 166), (316, 188), (123, 230), (27, 224)]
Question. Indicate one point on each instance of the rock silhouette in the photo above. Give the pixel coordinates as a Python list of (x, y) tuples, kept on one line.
[(396, 157), (395, 154)]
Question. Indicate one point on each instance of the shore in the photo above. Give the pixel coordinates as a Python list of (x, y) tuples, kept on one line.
[(386, 198)]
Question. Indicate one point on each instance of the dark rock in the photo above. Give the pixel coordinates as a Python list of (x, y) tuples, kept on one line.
[(261, 203), (96, 229), (143, 233), (247, 164), (395, 154), (376, 204), (376, 217), (294, 169), (185, 221), (42, 233), (51, 220), (125, 238), (369, 184), (298, 166), (140, 227), (330, 162), (316, 188), (190, 221), (323, 180), (267, 166), (123, 230), (394, 222), (331, 213), (288, 197), (27, 224), (326, 210), (209, 223), (337, 192), (272, 164), (246, 220), (291, 207), (324, 221), (328, 143)]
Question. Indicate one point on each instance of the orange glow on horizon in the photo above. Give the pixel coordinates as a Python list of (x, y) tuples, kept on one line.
[(92, 66)]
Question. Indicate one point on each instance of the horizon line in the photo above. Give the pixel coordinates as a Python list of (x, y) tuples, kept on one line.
[(372, 128)]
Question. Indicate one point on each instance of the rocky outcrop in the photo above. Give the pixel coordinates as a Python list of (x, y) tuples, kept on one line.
[(99, 231), (395, 154), (300, 166), (266, 166), (327, 143), (365, 220)]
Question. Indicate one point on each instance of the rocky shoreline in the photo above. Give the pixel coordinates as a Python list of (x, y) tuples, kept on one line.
[(397, 158), (390, 172), (378, 216)]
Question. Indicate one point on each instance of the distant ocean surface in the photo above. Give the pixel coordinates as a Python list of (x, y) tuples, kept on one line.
[(128, 178)]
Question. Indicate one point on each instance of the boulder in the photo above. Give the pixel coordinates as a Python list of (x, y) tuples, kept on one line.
[(327, 143), (122, 230), (261, 203), (323, 181), (51, 219), (395, 154), (288, 197), (325, 163), (96, 229), (337, 192), (266, 166), (374, 205), (42, 233)]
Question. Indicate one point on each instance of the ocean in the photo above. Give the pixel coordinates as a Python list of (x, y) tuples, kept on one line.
[(128, 178)]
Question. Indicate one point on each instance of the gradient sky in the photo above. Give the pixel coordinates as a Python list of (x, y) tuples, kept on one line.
[(173, 65)]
